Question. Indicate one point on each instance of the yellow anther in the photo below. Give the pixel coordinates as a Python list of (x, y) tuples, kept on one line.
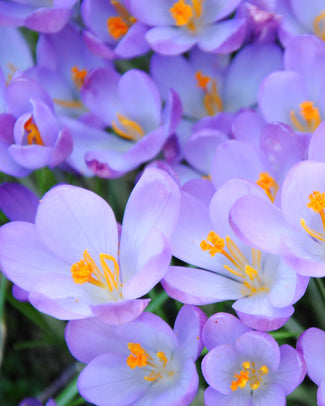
[(181, 13), (268, 184), (316, 201), (162, 358), (216, 244), (319, 25), (138, 356), (86, 270), (202, 81), (248, 375), (78, 76), (309, 114), (33, 136), (117, 27)]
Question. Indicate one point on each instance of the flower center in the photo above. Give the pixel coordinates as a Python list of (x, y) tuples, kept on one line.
[(33, 134), (310, 117), (248, 375), (319, 25), (127, 128), (240, 267), (119, 25), (156, 368), (211, 100), (316, 203), (78, 76), (268, 184), (185, 14), (86, 270)]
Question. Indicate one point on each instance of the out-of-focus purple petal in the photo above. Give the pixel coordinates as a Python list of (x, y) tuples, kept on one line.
[(170, 40), (18, 202)]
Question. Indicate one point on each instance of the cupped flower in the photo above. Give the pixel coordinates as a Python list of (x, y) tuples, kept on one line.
[(143, 362), (71, 261), (293, 96), (143, 127), (38, 137), (111, 29), (296, 231), (311, 345), (178, 25), (246, 367), (263, 286)]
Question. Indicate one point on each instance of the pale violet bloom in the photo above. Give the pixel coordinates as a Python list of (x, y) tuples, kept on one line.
[(245, 367), (142, 363), (71, 260)]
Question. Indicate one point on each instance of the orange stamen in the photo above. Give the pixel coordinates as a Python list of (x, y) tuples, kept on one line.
[(249, 375), (33, 136), (181, 13), (309, 114), (268, 184), (202, 80), (86, 270), (317, 204), (239, 264), (138, 356), (117, 27), (78, 76)]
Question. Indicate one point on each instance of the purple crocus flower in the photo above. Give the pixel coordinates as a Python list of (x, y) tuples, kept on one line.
[(262, 285), (293, 96), (296, 231), (311, 345), (142, 126), (39, 138), (179, 25), (43, 16), (143, 362), (111, 30), (297, 19), (245, 367), (71, 260)]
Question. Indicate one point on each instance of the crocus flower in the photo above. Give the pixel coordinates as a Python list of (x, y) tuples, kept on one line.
[(71, 261), (245, 367), (111, 30), (262, 285), (143, 127), (296, 19), (143, 362), (179, 25), (311, 344), (296, 231), (293, 95), (39, 139)]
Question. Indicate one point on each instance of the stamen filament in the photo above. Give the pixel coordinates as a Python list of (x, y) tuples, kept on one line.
[(310, 231), (72, 104), (131, 129), (256, 258), (319, 25)]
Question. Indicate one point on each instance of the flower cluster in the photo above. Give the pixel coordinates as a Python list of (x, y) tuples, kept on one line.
[(212, 114)]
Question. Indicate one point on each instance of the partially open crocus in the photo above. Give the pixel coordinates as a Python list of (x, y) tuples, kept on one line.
[(71, 260), (143, 362), (245, 367)]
